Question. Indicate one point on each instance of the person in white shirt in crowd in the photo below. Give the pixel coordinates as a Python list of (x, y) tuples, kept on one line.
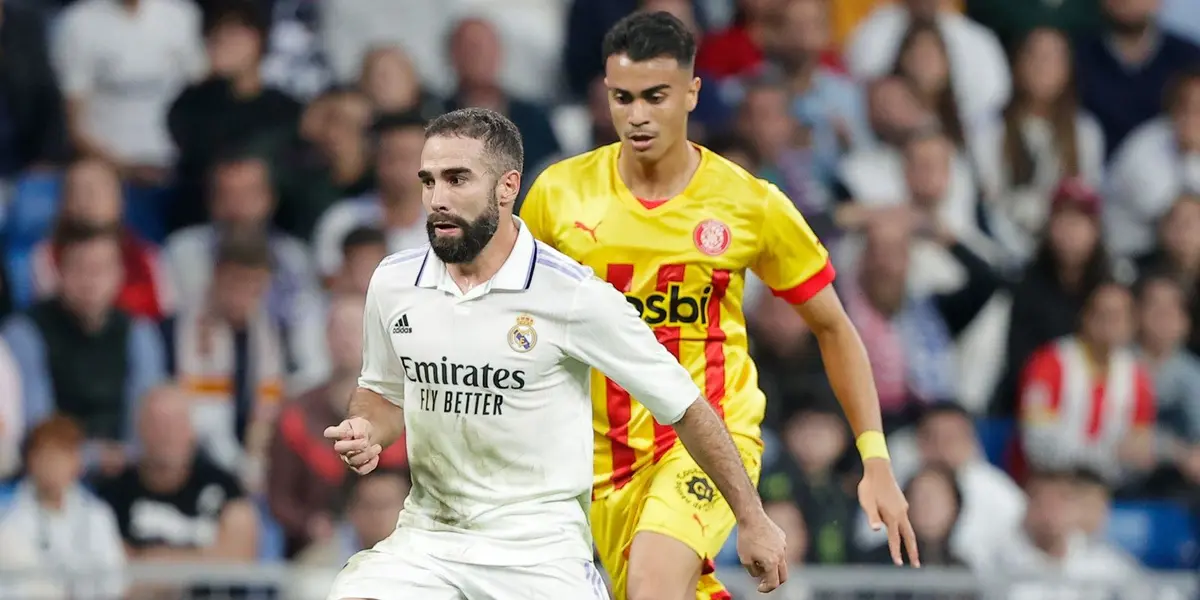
[(1051, 545), (992, 503), (1042, 138), (389, 80), (12, 413), (234, 361), (982, 82), (362, 250), (395, 205), (120, 64), (1157, 163), (924, 61), (500, 454), (240, 195), (55, 528)]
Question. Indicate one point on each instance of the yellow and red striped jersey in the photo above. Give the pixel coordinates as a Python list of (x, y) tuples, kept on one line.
[(682, 263)]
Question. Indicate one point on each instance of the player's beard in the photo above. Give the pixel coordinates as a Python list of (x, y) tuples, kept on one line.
[(475, 234)]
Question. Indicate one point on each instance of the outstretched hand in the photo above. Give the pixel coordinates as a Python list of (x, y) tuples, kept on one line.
[(884, 503), (355, 445), (761, 547)]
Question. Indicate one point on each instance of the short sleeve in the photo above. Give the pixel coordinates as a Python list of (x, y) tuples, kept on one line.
[(381, 370), (791, 260), (535, 210), (73, 59), (606, 333)]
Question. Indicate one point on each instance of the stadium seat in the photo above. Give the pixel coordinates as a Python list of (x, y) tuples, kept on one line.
[(19, 266), (270, 541), (146, 209), (1161, 534), (996, 436), (34, 206)]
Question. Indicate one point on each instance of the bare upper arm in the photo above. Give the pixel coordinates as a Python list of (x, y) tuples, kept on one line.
[(237, 533), (823, 313)]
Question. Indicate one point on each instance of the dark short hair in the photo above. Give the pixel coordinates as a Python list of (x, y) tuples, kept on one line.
[(69, 234), (397, 121), (363, 236), (1090, 478), (645, 36), (243, 13), (501, 139), (947, 408), (730, 143), (244, 246)]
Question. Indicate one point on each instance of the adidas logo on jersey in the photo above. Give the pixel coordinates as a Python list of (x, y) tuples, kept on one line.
[(401, 325)]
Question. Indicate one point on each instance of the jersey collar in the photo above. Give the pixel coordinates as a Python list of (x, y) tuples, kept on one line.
[(516, 274)]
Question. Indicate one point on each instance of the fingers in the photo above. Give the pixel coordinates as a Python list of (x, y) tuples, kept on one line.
[(367, 468), (359, 459), (337, 432), (350, 428), (770, 579), (910, 541), (872, 511), (754, 568), (351, 445), (893, 534), (783, 572)]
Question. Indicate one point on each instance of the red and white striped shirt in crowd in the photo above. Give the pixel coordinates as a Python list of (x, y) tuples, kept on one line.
[(1074, 413)]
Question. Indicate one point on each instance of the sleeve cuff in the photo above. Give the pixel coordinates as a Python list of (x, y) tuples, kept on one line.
[(810, 287)]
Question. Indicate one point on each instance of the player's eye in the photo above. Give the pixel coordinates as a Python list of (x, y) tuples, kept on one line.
[(622, 98), (457, 180), (656, 98)]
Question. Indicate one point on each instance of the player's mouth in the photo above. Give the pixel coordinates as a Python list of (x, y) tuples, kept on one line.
[(446, 229), (641, 141)]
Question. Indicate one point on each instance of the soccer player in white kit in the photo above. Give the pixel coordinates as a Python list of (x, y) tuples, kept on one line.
[(480, 347)]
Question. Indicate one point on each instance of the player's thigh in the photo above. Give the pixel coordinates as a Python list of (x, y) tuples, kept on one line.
[(613, 520), (683, 525), (555, 580), (388, 572)]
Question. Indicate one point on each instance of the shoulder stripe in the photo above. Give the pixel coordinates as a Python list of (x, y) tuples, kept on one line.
[(545, 251), (404, 256), (573, 274)]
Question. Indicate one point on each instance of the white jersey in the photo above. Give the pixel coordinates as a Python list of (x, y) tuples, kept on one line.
[(494, 384)]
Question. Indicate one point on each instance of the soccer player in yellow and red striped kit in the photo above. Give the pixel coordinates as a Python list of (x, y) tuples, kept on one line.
[(675, 226)]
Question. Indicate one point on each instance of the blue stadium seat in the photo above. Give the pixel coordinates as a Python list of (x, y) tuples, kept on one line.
[(146, 209), (270, 540), (19, 266), (996, 436), (7, 491), (33, 209), (1161, 534)]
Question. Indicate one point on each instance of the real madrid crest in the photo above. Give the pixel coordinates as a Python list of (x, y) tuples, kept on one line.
[(522, 337)]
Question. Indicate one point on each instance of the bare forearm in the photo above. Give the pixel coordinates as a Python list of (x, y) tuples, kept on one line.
[(849, 373), (387, 419), (706, 438)]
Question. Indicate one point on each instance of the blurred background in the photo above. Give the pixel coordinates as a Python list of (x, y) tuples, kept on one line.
[(195, 193)]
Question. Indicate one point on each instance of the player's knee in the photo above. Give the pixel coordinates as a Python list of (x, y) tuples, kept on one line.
[(661, 568)]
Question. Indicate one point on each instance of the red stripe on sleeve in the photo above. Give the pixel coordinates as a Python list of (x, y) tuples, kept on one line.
[(809, 287)]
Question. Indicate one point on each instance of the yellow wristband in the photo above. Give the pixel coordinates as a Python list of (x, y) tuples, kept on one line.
[(871, 444)]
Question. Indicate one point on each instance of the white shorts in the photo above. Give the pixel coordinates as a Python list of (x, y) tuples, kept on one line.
[(394, 570)]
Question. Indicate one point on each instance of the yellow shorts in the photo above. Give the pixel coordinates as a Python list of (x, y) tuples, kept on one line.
[(673, 497)]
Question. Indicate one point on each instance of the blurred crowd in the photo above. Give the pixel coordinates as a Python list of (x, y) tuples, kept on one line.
[(196, 192)]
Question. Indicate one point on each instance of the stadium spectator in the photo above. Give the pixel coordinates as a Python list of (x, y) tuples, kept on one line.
[(396, 203), (370, 516), (977, 62), (80, 355), (12, 413), (297, 61), (329, 160), (937, 518), (828, 103), (1094, 502), (1042, 137), (782, 145), (737, 51), (173, 505), (475, 53), (120, 65), (230, 109), (1069, 262), (1158, 162), (362, 251), (923, 61), (1085, 400), (233, 360), (305, 473), (93, 199), (1163, 327), (909, 335), (1050, 543), (56, 525), (240, 196), (1125, 69), (34, 134), (1013, 20), (392, 84)]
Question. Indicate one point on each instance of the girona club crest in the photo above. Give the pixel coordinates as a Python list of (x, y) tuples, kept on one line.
[(712, 237)]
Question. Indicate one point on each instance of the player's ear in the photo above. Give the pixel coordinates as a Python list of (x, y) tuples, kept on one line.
[(508, 186), (693, 95)]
